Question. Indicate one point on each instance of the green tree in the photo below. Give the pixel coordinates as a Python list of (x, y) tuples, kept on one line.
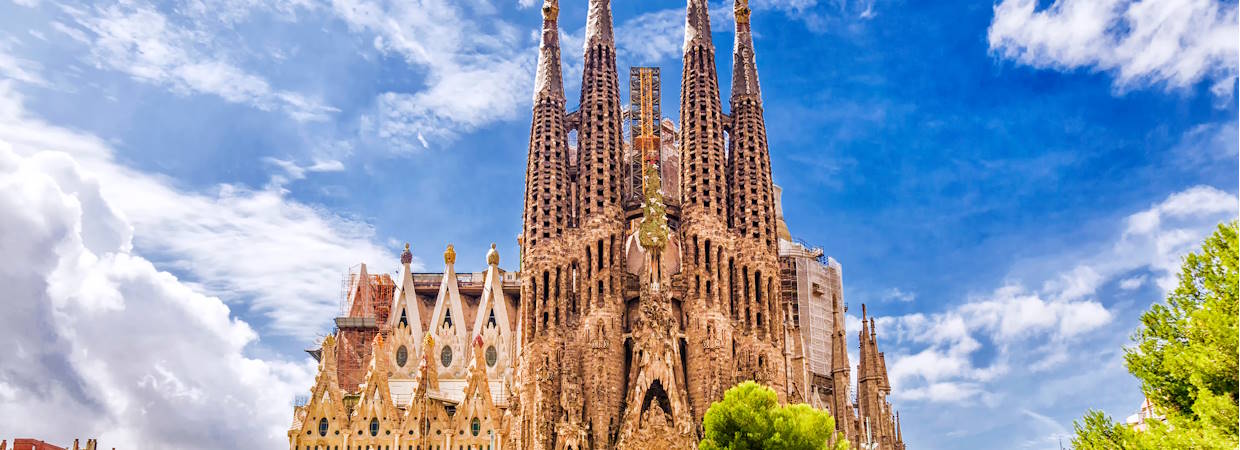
[(750, 417), (1186, 357)]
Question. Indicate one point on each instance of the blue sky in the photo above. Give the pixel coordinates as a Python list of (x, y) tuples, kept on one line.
[(1007, 186)]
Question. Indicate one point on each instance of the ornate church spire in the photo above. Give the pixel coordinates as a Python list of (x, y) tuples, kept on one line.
[(600, 135), (546, 175), (548, 81), (599, 25), (697, 25), (841, 404), (744, 71), (752, 199), (702, 162)]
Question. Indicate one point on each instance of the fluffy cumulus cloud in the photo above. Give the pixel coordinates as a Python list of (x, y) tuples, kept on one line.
[(102, 343), (1169, 43), (280, 259), (956, 355)]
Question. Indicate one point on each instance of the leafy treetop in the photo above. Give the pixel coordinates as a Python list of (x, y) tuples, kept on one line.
[(750, 417), (1186, 358)]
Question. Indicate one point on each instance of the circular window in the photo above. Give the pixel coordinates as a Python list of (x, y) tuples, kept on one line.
[(323, 427), (374, 427), (402, 356), (475, 426), (492, 355), (445, 356)]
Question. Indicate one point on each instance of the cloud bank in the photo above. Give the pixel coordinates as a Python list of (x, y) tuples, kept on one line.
[(102, 343), (1167, 43)]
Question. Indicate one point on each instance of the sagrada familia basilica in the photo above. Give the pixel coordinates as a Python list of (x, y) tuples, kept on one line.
[(655, 273)]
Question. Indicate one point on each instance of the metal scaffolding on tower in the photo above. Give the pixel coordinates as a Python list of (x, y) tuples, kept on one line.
[(645, 123)]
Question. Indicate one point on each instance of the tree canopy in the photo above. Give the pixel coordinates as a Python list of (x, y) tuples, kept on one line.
[(750, 417), (1185, 355)]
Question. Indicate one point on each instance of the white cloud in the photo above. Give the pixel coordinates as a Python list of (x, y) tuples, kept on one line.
[(899, 295), (477, 69), (1053, 430), (1207, 145), (281, 258), (945, 392), (101, 343), (137, 39), (1170, 43), (19, 69), (1129, 284), (936, 356), (1013, 313), (654, 36), (657, 36), (291, 170), (1160, 236), (229, 12)]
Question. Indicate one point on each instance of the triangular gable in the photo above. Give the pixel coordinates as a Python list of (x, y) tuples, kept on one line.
[(448, 306), (492, 305), (405, 325), (375, 403), (491, 325), (425, 415), (405, 295), (326, 399), (477, 386), (446, 321), (476, 416)]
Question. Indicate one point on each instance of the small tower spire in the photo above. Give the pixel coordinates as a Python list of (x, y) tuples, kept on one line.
[(702, 166), (600, 138), (697, 25), (599, 25), (546, 173), (744, 70), (548, 80)]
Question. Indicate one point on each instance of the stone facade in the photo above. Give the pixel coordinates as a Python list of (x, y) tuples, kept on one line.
[(439, 367), (642, 296)]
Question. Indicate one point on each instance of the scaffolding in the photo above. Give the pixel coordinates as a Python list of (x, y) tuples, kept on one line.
[(645, 124), (365, 299)]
